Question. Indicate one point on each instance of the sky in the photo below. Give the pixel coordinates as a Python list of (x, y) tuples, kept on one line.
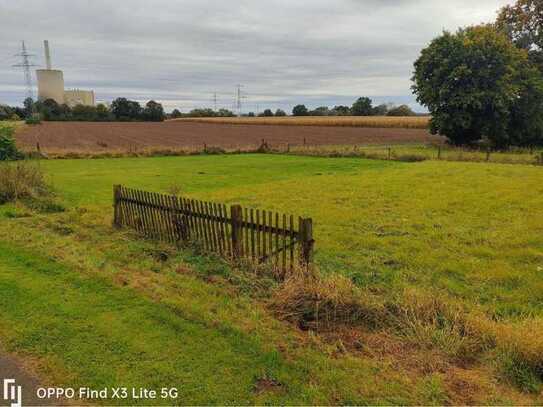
[(182, 52)]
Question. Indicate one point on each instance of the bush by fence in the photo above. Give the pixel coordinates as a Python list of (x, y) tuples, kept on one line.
[(238, 233)]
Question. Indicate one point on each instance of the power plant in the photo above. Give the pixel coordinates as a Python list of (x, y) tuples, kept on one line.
[(51, 86)]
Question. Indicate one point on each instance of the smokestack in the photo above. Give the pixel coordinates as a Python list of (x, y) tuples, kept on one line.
[(47, 54)]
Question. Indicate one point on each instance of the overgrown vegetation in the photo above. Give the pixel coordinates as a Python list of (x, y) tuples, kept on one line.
[(22, 180), (8, 148)]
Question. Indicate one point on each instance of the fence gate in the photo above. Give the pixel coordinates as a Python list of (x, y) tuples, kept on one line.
[(233, 232)]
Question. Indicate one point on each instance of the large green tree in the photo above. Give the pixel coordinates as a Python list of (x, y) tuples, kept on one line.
[(523, 23), (362, 107), (300, 110), (477, 84)]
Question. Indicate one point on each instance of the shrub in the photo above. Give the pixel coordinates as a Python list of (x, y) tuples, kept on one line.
[(22, 180), (8, 149), (33, 120)]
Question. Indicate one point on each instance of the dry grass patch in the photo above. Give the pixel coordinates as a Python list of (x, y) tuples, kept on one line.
[(21, 180)]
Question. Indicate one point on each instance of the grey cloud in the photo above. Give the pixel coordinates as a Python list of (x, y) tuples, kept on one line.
[(284, 52)]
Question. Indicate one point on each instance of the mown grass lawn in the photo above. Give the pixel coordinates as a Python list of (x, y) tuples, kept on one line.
[(103, 308)]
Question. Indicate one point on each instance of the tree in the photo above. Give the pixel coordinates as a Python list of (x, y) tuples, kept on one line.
[(103, 114), (126, 110), (153, 112), (176, 114), (299, 110), (320, 111), (362, 107), (29, 106), (381, 110), (225, 113), (280, 113), (472, 84), (341, 111), (50, 110), (523, 23), (402, 110), (8, 148), (267, 113), (6, 112)]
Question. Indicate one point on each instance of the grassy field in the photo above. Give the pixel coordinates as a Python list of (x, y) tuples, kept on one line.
[(453, 250), (421, 152), (334, 121)]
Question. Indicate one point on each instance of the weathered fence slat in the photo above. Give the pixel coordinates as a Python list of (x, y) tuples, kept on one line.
[(256, 235)]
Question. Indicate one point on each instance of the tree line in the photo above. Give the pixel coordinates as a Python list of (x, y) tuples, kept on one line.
[(121, 109), (483, 85), (363, 106)]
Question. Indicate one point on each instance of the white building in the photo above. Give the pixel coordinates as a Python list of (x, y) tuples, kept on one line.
[(51, 86)]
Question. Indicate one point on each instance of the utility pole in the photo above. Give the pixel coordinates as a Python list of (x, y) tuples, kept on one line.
[(26, 64), (238, 99), (215, 101)]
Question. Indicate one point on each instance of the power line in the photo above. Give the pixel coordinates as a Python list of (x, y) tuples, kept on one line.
[(26, 64), (238, 99)]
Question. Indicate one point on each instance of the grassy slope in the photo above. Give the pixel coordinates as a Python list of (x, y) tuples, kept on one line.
[(375, 221)]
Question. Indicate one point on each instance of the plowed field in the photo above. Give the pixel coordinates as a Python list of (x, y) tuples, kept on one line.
[(82, 136)]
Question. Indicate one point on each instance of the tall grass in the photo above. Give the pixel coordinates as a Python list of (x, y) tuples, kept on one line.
[(416, 122), (22, 180), (428, 321)]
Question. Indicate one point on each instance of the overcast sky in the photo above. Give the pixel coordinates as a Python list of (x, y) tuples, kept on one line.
[(284, 52)]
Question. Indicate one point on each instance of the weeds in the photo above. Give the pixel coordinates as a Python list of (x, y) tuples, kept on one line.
[(21, 180)]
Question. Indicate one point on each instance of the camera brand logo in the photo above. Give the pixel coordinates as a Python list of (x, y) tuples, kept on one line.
[(13, 393)]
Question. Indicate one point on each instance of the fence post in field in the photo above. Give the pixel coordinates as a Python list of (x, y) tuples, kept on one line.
[(439, 152), (389, 153), (237, 219), (306, 240), (116, 206)]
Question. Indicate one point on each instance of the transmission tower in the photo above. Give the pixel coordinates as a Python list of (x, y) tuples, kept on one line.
[(240, 96), (215, 101), (26, 64)]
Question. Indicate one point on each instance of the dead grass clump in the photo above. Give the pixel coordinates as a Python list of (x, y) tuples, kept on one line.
[(314, 302), (21, 180), (520, 353), (431, 321)]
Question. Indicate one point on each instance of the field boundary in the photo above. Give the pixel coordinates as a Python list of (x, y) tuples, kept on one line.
[(236, 233)]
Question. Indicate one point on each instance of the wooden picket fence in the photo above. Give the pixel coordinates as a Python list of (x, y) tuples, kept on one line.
[(237, 233)]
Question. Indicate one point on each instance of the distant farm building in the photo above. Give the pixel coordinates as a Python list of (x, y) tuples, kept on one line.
[(51, 86)]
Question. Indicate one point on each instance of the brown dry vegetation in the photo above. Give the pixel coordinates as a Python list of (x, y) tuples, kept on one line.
[(416, 331), (417, 122), (57, 138)]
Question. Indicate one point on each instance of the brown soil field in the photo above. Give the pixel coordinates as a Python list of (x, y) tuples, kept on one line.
[(58, 137)]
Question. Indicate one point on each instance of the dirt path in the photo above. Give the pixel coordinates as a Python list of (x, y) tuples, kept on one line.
[(11, 368)]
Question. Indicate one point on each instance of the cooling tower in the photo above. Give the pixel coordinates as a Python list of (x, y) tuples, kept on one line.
[(50, 85)]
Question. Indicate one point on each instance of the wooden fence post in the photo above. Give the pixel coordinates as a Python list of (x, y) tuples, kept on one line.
[(306, 240), (439, 152), (116, 206), (237, 219), (389, 153)]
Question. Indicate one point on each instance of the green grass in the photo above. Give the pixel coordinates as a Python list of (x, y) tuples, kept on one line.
[(472, 230), (469, 232)]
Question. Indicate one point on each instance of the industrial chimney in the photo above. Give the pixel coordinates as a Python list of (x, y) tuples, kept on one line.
[(47, 54), (50, 81)]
